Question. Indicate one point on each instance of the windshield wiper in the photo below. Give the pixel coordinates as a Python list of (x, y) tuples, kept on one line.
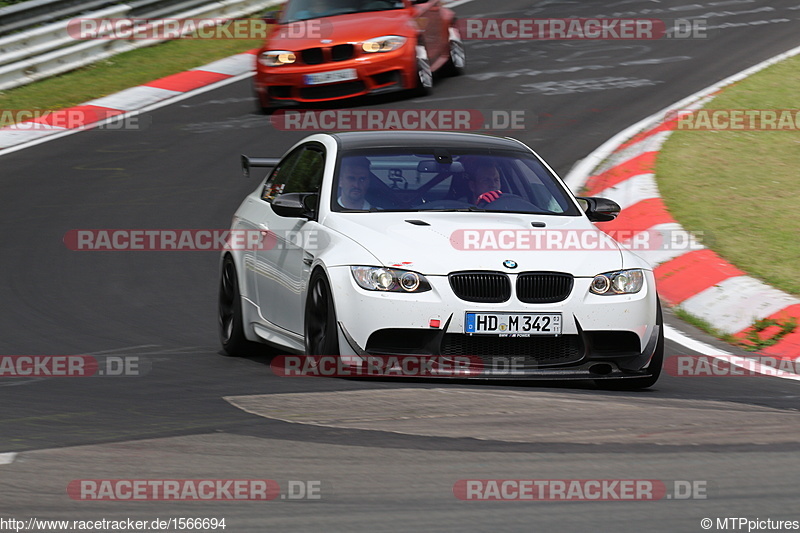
[(471, 208)]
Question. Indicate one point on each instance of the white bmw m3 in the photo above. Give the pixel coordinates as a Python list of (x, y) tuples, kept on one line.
[(440, 245)]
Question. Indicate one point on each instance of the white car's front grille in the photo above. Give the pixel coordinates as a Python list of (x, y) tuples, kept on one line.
[(482, 287)]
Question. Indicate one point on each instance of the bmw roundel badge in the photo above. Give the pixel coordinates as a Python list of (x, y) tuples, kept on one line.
[(508, 263)]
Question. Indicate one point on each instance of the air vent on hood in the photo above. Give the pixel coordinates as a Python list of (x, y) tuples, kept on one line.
[(418, 222)]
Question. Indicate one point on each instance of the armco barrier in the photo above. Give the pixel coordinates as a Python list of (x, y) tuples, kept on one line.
[(49, 50)]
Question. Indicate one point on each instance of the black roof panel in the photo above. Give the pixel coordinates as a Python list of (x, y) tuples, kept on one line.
[(423, 139)]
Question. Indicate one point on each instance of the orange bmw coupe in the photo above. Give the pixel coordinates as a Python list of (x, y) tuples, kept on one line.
[(325, 50)]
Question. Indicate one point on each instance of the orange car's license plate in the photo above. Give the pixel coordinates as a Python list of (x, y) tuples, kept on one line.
[(333, 76)]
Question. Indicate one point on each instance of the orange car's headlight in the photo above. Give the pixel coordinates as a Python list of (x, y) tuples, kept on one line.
[(276, 58), (387, 43)]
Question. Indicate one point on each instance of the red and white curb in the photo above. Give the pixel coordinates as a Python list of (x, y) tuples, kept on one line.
[(696, 280), (139, 99)]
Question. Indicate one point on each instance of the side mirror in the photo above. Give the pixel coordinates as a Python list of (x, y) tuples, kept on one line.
[(295, 205), (599, 209)]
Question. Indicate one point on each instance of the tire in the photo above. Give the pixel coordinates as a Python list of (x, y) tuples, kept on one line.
[(264, 106), (230, 324), (320, 329), (656, 362), (264, 110), (424, 72), (458, 55)]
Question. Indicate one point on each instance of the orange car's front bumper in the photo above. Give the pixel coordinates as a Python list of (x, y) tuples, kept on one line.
[(376, 73)]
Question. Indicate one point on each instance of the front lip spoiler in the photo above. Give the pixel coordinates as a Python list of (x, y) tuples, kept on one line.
[(568, 373)]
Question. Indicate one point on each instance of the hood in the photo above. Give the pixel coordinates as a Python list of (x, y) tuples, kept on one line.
[(350, 28), (440, 243)]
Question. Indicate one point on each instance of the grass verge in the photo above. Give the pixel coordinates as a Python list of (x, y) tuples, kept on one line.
[(741, 188)]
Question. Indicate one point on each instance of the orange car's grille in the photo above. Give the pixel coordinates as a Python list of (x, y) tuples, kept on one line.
[(317, 56)]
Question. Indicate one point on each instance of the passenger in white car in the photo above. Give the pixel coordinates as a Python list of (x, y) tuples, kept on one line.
[(484, 182)]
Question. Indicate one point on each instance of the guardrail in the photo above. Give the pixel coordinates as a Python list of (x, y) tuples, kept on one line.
[(29, 14), (49, 50)]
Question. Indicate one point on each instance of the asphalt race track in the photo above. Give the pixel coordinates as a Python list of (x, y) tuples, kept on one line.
[(387, 454)]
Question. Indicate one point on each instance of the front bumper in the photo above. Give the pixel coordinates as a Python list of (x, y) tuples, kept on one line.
[(377, 73), (603, 337)]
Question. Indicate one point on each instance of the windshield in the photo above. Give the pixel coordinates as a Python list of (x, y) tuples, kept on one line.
[(312, 9), (411, 180)]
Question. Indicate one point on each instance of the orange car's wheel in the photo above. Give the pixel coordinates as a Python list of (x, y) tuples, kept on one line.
[(458, 54), (424, 72)]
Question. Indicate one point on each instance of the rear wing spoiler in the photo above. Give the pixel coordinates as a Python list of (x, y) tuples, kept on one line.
[(250, 162)]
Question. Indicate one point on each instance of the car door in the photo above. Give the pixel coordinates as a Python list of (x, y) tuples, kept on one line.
[(283, 264)]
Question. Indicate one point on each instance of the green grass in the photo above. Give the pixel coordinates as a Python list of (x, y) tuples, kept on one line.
[(742, 188), (703, 325), (121, 72)]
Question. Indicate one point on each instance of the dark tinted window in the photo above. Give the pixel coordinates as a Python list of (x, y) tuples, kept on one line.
[(413, 180), (300, 171)]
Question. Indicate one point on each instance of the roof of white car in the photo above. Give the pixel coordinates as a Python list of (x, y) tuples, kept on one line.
[(423, 139)]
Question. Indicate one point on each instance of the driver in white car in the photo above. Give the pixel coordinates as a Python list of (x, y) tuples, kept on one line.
[(354, 183)]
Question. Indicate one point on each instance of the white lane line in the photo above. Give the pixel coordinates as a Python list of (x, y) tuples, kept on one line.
[(716, 353), (7, 458)]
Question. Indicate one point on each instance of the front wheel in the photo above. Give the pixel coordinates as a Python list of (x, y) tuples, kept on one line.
[(321, 335), (424, 72), (229, 312), (458, 54)]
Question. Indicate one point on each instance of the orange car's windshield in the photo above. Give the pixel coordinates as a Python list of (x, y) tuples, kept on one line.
[(311, 9)]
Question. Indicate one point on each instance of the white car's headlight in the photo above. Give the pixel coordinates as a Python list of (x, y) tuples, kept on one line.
[(387, 43), (619, 282), (389, 279), (276, 58)]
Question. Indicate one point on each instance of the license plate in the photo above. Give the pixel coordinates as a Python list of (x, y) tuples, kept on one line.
[(517, 324), (331, 77)]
